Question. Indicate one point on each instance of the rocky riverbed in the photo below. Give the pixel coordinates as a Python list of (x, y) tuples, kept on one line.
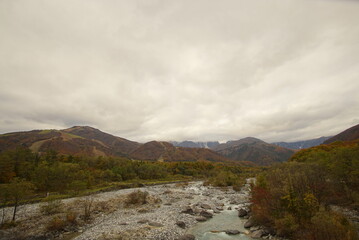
[(170, 212)]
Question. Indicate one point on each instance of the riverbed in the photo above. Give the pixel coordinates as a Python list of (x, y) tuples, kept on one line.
[(157, 220)]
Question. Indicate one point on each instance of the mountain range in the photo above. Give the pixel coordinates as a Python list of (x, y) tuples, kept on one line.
[(302, 144), (88, 141)]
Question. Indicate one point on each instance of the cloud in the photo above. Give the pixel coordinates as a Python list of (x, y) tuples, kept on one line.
[(181, 70)]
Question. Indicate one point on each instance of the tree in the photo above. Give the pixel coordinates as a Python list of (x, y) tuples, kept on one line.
[(18, 189)]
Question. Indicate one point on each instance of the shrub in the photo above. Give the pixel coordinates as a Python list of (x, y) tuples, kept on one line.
[(56, 224), (71, 218), (51, 206), (286, 226), (330, 226), (137, 197)]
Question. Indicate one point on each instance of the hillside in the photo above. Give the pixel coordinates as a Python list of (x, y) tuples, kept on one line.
[(347, 135), (88, 141), (302, 144), (75, 141), (254, 150), (164, 151)]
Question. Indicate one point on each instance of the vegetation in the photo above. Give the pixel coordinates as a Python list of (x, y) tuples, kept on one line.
[(295, 197), (27, 176)]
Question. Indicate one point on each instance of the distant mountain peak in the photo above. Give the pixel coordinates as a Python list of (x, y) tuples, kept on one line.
[(349, 134)]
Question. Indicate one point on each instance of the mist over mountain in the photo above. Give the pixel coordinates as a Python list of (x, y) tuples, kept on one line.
[(302, 144), (191, 144)]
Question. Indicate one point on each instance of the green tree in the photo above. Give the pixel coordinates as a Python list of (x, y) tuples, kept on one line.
[(18, 189)]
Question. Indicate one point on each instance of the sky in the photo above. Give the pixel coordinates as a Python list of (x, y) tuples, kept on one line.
[(202, 70)]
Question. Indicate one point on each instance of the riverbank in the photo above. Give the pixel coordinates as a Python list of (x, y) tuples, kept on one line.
[(170, 211)]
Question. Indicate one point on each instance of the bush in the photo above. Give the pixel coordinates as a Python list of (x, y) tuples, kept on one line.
[(71, 218), (286, 226), (51, 206), (56, 224), (137, 197), (330, 226)]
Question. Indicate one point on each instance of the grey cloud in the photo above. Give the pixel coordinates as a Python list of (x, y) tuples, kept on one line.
[(181, 70)]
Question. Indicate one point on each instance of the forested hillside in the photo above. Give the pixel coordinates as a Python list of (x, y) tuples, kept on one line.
[(296, 198)]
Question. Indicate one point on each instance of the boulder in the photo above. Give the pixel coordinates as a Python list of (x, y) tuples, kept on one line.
[(242, 212), (181, 224), (142, 221), (249, 223), (205, 206), (206, 214), (258, 234), (201, 219), (229, 208), (232, 232), (187, 210), (219, 208), (155, 224), (187, 237)]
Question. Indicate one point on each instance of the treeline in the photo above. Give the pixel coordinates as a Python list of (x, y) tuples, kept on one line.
[(295, 198), (51, 172)]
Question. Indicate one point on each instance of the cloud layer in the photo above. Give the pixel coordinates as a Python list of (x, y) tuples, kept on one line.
[(181, 70)]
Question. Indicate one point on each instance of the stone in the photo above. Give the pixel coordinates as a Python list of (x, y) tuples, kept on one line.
[(249, 223), (187, 237), (181, 224), (187, 210), (167, 204), (257, 234), (219, 208), (232, 232), (206, 214), (201, 219), (220, 198), (205, 206), (229, 208), (242, 212), (142, 221), (155, 224), (123, 223)]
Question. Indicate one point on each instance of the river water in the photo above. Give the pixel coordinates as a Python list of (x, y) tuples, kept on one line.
[(214, 228)]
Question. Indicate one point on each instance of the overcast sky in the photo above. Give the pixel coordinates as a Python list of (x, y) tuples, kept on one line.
[(181, 70)]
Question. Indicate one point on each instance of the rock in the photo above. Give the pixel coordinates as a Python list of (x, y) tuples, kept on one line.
[(123, 223), (187, 210), (167, 204), (197, 210), (242, 212), (229, 208), (155, 224), (187, 237), (206, 214), (181, 224), (249, 223), (142, 221), (220, 198), (201, 219), (257, 234), (232, 232), (216, 211), (219, 208), (233, 202), (205, 206)]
